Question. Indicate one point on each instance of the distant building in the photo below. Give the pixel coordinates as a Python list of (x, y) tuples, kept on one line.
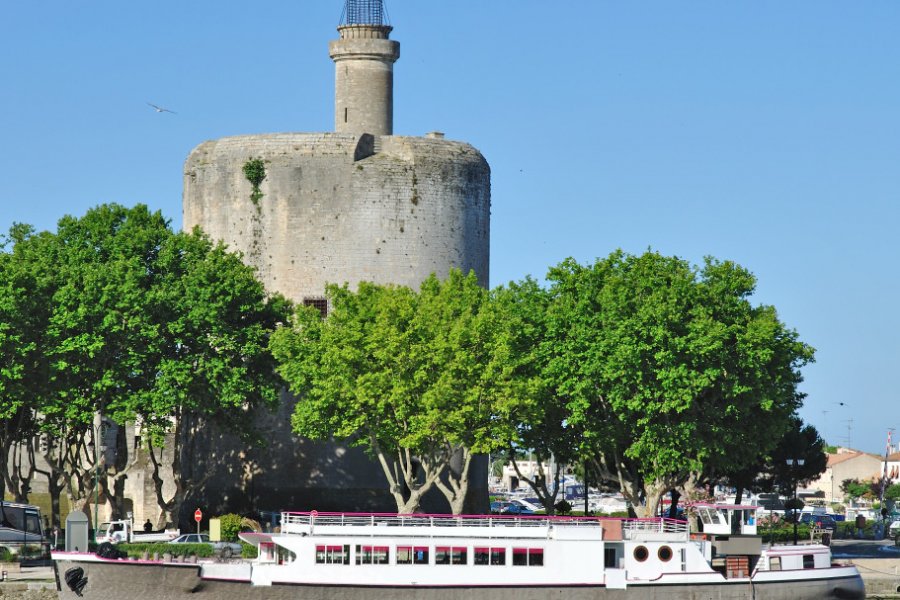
[(846, 464)]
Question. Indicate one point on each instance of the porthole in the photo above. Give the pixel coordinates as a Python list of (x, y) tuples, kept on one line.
[(664, 553), (641, 553)]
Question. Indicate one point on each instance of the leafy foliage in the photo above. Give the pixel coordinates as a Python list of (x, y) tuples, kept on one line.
[(892, 492), (231, 526), (854, 488), (255, 172), (669, 371), (160, 548), (136, 322), (407, 375)]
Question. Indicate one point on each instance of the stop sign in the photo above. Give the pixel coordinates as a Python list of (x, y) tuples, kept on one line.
[(198, 515)]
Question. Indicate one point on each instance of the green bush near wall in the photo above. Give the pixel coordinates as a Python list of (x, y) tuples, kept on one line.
[(231, 526), (248, 551), (160, 548)]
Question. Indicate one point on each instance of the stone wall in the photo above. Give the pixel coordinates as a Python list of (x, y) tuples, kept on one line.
[(335, 208)]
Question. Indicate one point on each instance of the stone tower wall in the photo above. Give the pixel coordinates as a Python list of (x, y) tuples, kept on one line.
[(335, 211), (335, 208), (364, 79)]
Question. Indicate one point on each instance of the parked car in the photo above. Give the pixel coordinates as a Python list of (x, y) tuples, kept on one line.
[(517, 507), (820, 521), (894, 528), (532, 504), (225, 549), (511, 507)]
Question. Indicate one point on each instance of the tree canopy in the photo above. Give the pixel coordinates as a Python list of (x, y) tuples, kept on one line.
[(140, 324), (407, 375), (668, 370)]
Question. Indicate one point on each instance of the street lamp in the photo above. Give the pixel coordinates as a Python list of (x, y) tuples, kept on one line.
[(793, 463)]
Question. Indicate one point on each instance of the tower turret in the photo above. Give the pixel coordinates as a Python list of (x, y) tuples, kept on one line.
[(364, 59)]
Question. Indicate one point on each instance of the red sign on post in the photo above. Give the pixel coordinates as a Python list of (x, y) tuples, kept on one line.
[(197, 517)]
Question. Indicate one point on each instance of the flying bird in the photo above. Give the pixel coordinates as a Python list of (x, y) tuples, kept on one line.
[(160, 109)]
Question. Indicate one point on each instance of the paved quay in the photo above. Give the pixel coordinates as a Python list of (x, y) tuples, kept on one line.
[(878, 562), (29, 583)]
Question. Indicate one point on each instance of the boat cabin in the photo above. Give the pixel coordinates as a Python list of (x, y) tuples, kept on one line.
[(726, 519)]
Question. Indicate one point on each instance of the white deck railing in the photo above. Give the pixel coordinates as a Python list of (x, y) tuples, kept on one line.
[(654, 526), (298, 522)]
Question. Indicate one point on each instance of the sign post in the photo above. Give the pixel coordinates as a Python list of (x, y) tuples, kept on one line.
[(198, 516)]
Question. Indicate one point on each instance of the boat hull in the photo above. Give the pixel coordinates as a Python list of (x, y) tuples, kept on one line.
[(112, 580)]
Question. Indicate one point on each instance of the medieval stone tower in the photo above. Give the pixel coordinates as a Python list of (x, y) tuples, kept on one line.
[(358, 204)]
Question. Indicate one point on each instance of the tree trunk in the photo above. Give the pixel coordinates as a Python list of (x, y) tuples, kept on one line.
[(539, 483), (457, 486)]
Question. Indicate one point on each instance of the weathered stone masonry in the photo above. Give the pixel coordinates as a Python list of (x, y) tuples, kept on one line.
[(356, 205)]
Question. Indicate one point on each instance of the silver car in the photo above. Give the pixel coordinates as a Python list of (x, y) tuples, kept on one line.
[(225, 549)]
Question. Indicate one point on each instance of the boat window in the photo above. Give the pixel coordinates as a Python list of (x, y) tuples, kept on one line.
[(523, 557), (664, 553), (404, 555), (445, 555), (808, 561), (420, 555), (267, 552), (481, 556), (372, 555), (333, 555), (704, 516), (498, 556), (641, 553), (774, 563), (609, 558)]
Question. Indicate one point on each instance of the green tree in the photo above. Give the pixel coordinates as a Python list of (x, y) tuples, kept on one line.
[(352, 383), (150, 326), (892, 492), (800, 444), (24, 310), (539, 415), (459, 352), (854, 488), (668, 370), (798, 458), (408, 376)]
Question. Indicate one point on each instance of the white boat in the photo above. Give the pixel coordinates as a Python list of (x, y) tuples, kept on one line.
[(353, 556)]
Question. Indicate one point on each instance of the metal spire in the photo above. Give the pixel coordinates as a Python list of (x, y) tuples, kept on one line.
[(364, 12)]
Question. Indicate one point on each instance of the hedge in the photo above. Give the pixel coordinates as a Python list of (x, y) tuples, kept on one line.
[(160, 548)]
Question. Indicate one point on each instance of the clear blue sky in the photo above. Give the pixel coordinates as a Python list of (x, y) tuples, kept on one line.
[(765, 132)]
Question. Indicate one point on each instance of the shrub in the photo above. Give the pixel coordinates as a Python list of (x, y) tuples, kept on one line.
[(199, 550), (563, 507), (248, 551), (6, 555), (231, 526)]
